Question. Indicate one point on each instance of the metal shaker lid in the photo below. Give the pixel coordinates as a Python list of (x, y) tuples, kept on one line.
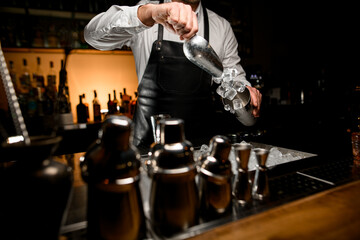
[(217, 162)]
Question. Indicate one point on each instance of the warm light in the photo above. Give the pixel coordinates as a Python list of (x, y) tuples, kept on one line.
[(15, 139)]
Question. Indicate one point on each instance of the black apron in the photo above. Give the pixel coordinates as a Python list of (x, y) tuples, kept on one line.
[(173, 85)]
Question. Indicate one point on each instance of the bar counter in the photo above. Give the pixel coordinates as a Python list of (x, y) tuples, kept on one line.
[(332, 214), (316, 197)]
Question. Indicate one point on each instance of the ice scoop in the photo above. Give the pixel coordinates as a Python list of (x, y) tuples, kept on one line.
[(198, 51)]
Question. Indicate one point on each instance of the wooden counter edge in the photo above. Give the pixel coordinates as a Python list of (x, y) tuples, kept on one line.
[(332, 214)]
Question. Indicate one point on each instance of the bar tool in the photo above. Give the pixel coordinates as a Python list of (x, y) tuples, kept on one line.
[(111, 169), (198, 50), (242, 189), (241, 107), (260, 190), (155, 119), (174, 199), (215, 180)]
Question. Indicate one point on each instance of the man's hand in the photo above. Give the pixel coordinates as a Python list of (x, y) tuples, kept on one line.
[(256, 98), (177, 17)]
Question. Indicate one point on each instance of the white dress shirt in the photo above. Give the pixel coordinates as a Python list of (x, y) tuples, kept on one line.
[(120, 26)]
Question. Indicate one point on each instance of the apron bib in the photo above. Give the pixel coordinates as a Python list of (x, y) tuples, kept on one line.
[(173, 85)]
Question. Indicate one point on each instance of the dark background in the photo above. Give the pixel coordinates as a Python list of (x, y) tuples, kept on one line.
[(296, 46)]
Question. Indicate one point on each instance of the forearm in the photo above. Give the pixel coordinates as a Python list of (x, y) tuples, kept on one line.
[(113, 28)]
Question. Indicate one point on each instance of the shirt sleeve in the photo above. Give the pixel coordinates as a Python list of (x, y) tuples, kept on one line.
[(114, 28), (231, 57)]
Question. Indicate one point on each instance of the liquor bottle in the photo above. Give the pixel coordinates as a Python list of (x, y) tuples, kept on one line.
[(96, 108), (38, 79), (111, 169), (51, 79), (50, 90), (121, 103), (133, 104), (25, 79), (110, 105), (174, 199), (64, 80), (81, 111), (87, 107), (63, 94), (126, 102), (115, 103)]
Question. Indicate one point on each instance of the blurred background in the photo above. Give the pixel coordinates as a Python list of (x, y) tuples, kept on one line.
[(300, 55)]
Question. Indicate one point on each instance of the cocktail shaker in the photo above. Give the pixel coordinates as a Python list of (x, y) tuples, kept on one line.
[(174, 200), (111, 168), (35, 190), (215, 180), (241, 107)]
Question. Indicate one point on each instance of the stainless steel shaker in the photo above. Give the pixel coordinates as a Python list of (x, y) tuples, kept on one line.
[(242, 189), (242, 107), (260, 189), (111, 168), (215, 180), (174, 199)]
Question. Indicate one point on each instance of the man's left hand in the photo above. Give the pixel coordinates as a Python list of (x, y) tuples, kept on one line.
[(256, 98)]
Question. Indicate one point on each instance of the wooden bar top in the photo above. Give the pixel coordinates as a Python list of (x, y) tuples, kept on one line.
[(332, 214)]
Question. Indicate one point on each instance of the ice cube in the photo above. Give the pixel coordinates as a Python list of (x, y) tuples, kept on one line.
[(230, 94), (226, 85), (227, 107), (221, 91), (239, 86), (227, 78), (237, 104), (217, 80), (235, 72)]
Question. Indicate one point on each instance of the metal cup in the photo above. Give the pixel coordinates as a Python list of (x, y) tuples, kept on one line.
[(244, 113), (260, 190), (155, 125)]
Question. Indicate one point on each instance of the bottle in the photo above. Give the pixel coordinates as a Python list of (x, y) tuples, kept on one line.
[(115, 103), (81, 111), (87, 107), (25, 78), (126, 103), (133, 104), (63, 97), (38, 76), (50, 91), (174, 199), (96, 108), (63, 80), (111, 169), (110, 105), (122, 110), (51, 79), (216, 180)]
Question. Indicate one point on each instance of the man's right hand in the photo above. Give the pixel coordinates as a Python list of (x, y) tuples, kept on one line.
[(177, 17)]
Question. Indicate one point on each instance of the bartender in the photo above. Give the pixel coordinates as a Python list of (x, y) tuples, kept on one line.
[(168, 82)]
